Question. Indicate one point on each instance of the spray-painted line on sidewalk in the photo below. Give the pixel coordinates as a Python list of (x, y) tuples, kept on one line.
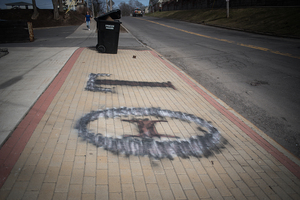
[(14, 146), (93, 82)]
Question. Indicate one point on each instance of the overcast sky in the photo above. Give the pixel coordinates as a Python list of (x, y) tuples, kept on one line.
[(47, 4)]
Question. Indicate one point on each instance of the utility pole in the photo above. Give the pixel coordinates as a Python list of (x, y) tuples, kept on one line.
[(227, 5), (106, 5)]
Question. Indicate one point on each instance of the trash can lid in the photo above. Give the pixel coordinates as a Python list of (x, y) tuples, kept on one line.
[(114, 14)]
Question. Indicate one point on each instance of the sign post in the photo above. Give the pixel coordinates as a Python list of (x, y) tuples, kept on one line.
[(227, 5)]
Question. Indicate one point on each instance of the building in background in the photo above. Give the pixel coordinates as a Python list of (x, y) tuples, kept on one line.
[(19, 5)]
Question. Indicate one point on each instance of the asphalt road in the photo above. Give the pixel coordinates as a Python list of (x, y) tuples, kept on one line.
[(256, 75)]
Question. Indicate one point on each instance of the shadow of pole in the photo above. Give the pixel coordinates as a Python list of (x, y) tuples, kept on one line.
[(11, 82)]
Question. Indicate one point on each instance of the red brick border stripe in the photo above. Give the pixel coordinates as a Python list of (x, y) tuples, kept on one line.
[(289, 164), (14, 146)]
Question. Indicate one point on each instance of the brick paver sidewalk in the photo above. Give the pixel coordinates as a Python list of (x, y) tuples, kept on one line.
[(57, 164)]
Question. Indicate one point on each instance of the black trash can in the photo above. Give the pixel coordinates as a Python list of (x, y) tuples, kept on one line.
[(108, 32)]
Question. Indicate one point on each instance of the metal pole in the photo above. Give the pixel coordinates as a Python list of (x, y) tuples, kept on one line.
[(110, 4), (227, 5), (106, 5)]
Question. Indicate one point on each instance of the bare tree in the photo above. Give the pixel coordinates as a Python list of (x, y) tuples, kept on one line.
[(136, 4), (35, 11), (61, 6), (55, 9), (99, 7), (127, 8)]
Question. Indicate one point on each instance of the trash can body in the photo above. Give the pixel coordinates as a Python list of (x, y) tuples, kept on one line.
[(108, 36), (108, 32)]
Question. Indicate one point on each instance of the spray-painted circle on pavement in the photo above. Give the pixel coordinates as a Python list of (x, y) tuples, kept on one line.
[(144, 143)]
